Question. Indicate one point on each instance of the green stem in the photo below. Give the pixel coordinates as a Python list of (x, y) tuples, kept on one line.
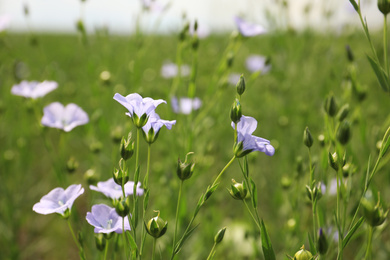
[(369, 243), (106, 249), (253, 217), (385, 44), (75, 240), (124, 238), (146, 179), (143, 233), (154, 248), (177, 213), (211, 252), (137, 151), (223, 170)]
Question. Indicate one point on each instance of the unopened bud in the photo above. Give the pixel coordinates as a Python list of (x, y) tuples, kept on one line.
[(195, 42), (240, 87), (100, 241), (307, 137), (185, 169), (373, 212), (330, 106), (183, 32), (343, 113), (122, 206), (384, 6), (333, 161), (71, 165), (219, 236), (156, 227), (238, 190), (127, 147), (303, 254), (236, 112), (322, 243), (321, 140), (344, 133)]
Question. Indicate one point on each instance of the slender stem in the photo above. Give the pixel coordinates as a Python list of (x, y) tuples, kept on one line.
[(385, 44), (253, 217), (235, 133), (223, 170), (137, 151), (311, 170), (177, 213), (124, 238), (154, 248), (369, 243), (75, 239), (211, 252), (147, 167), (143, 234), (106, 249)]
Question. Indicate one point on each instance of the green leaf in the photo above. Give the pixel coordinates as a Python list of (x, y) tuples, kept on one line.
[(246, 167), (352, 231), (311, 243), (266, 244), (133, 246), (380, 74), (254, 194), (183, 239), (385, 143)]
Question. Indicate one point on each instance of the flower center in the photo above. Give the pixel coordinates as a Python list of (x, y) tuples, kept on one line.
[(61, 203), (109, 224)]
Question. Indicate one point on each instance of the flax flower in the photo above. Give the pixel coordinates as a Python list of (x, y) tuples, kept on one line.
[(106, 220), (152, 128), (185, 105), (66, 118), (248, 29), (170, 70), (33, 89), (114, 191)]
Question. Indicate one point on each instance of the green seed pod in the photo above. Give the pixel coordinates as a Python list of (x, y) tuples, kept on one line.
[(330, 106), (184, 169), (156, 227), (343, 112), (127, 147), (322, 243), (235, 112), (71, 165), (120, 176), (307, 137), (373, 212), (219, 236), (344, 133), (122, 206), (333, 158), (238, 190), (240, 87), (100, 241), (303, 254), (384, 6)]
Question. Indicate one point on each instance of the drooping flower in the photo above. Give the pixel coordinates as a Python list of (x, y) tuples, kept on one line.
[(170, 70), (248, 29), (33, 89), (106, 220), (152, 128), (256, 63), (139, 108), (114, 191), (58, 200), (66, 118), (185, 105), (246, 142)]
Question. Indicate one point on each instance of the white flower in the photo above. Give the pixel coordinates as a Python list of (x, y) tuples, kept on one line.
[(33, 89)]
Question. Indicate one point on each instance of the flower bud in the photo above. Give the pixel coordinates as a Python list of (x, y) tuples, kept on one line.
[(384, 6), (333, 158), (156, 227), (238, 190), (127, 147), (314, 193), (235, 112), (120, 176), (344, 133), (71, 165), (122, 206), (307, 138), (240, 87), (91, 177), (195, 42), (330, 106), (183, 32), (349, 53), (100, 241), (303, 254), (219, 236), (184, 169), (343, 112), (322, 243), (374, 213), (229, 59)]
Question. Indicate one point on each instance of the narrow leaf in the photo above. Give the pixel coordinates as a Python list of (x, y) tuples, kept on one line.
[(352, 231), (254, 194), (183, 239), (380, 74), (311, 243), (266, 244)]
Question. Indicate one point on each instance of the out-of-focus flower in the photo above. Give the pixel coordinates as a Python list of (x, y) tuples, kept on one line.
[(5, 20), (66, 118), (185, 105), (58, 200), (153, 126), (246, 142), (153, 5), (256, 63), (248, 29), (139, 108), (33, 89), (170, 70), (114, 191), (106, 220)]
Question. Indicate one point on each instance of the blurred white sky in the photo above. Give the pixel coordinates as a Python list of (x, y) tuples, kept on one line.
[(215, 15)]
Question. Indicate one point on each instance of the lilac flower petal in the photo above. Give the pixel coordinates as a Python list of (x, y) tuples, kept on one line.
[(33, 89), (124, 102), (106, 220), (66, 118), (114, 191), (58, 200), (138, 105), (248, 29), (246, 125)]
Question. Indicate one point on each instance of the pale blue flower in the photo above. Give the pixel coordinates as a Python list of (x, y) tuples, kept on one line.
[(185, 105), (248, 29), (170, 70), (58, 200), (66, 118), (138, 105), (106, 220), (114, 191), (256, 63), (245, 127), (33, 89), (153, 126)]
